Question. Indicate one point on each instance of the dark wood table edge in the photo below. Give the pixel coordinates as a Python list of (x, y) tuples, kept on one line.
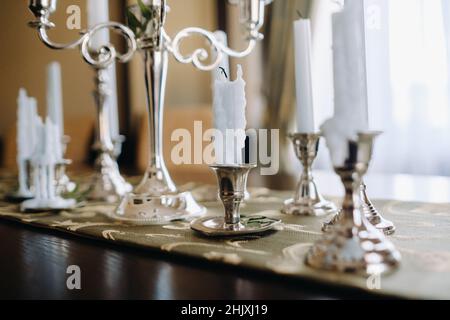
[(316, 286)]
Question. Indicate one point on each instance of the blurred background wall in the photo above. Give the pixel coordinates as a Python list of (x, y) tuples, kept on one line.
[(408, 76)]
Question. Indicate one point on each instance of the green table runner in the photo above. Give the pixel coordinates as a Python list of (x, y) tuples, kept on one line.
[(422, 237)]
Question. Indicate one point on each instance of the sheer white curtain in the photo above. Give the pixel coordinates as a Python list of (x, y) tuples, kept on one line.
[(408, 55)]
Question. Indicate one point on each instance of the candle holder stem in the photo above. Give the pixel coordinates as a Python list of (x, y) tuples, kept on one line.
[(354, 245), (232, 181), (107, 184), (307, 200)]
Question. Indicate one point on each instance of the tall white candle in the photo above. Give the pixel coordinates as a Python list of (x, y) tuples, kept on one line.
[(350, 80), (32, 126), (98, 12), (22, 126), (349, 56), (303, 76), (54, 97), (229, 118), (22, 101)]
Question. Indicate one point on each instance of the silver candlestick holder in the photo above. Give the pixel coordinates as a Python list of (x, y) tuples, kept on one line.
[(354, 245), (307, 200), (232, 181), (107, 184), (157, 199)]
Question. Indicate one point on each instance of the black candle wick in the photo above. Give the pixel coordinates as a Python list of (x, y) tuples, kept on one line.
[(224, 72)]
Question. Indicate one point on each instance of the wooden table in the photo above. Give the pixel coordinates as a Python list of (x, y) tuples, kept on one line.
[(34, 262)]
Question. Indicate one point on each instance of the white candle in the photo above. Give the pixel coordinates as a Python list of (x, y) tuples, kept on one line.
[(22, 125), (98, 12), (303, 76), (229, 118), (54, 97), (350, 81), (349, 56), (32, 124)]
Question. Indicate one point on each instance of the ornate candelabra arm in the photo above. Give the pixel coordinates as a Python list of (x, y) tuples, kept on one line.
[(252, 20), (200, 55), (105, 55), (42, 31)]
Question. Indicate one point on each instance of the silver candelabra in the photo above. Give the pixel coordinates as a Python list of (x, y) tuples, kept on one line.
[(156, 199), (107, 185)]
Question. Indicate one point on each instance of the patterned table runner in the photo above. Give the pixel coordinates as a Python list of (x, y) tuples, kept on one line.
[(423, 238)]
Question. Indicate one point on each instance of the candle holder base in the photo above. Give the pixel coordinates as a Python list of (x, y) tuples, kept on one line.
[(312, 207), (217, 227), (307, 201), (157, 210), (107, 185), (349, 248), (372, 214)]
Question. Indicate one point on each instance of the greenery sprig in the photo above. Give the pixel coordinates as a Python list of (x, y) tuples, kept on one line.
[(140, 27)]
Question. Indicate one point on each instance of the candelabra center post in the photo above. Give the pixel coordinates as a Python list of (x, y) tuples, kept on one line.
[(103, 136)]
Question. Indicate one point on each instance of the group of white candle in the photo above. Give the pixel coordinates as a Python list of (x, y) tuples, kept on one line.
[(350, 86), (37, 142), (350, 79), (29, 123)]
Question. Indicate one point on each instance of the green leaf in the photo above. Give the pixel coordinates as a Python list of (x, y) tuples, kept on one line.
[(133, 22), (146, 12)]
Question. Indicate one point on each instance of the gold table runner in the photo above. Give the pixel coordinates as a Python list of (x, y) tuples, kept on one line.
[(422, 237)]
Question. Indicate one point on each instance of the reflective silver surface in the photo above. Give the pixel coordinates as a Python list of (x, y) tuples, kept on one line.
[(353, 244), (372, 214), (107, 184), (307, 200), (103, 57), (232, 181), (64, 185), (146, 209)]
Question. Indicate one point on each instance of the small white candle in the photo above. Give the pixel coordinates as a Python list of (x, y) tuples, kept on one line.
[(98, 12), (229, 118), (54, 97), (303, 76)]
